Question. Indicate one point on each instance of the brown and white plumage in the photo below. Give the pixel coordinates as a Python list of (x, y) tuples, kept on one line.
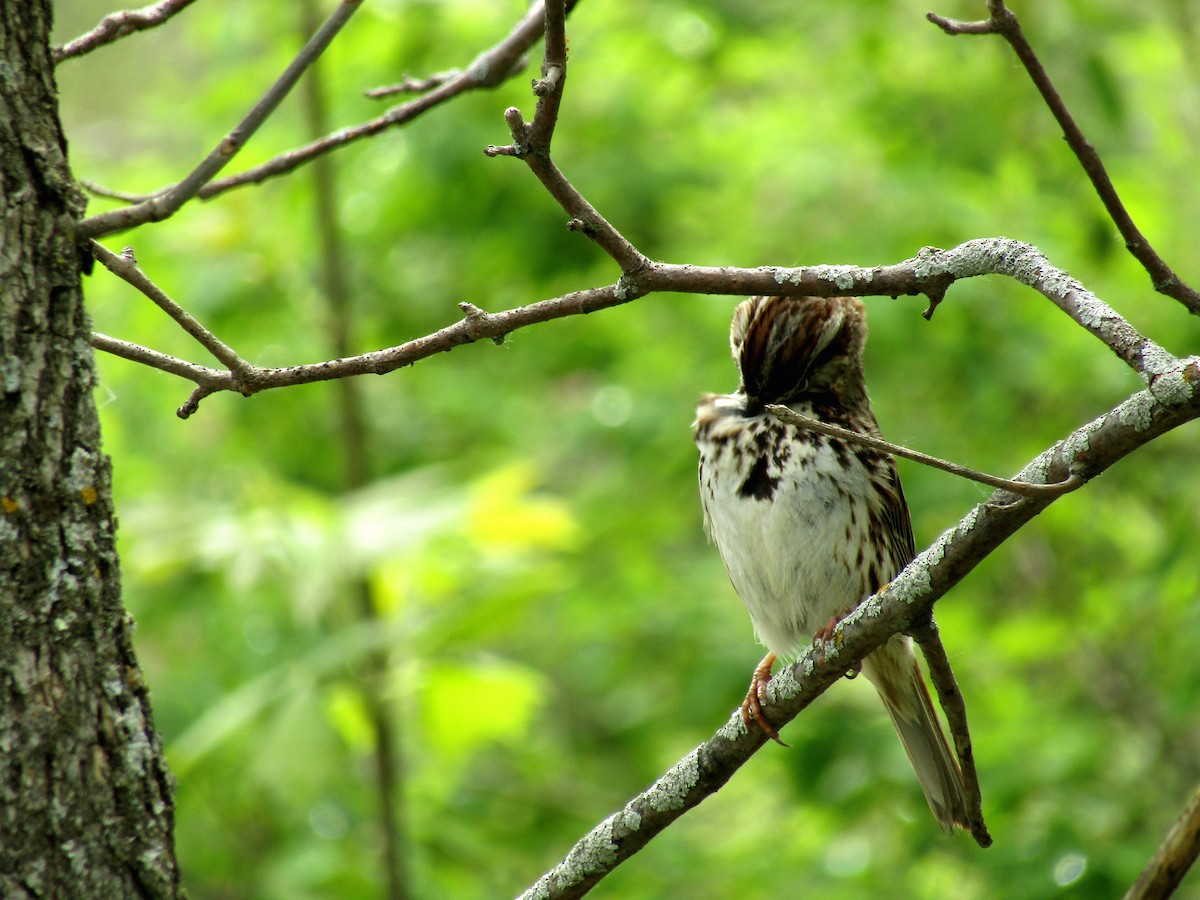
[(809, 525)]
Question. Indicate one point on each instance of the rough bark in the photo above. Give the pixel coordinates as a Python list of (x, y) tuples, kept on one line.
[(86, 805)]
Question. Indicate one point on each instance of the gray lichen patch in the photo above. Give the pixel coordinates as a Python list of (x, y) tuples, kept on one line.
[(1173, 386), (843, 277), (789, 276), (915, 581), (783, 686), (1137, 411), (670, 791)]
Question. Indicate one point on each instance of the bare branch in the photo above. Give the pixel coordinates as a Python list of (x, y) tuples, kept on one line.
[(584, 217), (1003, 22), (488, 70), (956, 27), (930, 272), (412, 85), (907, 599), (193, 401), (118, 25), (951, 699), (125, 267), (1173, 858), (165, 203), (531, 142), (155, 360), (549, 88), (100, 191), (1026, 264), (247, 379), (1017, 487)]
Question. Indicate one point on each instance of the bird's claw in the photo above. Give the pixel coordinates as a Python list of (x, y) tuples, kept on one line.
[(756, 699)]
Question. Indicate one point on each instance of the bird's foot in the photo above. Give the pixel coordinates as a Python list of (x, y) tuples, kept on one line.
[(756, 699)]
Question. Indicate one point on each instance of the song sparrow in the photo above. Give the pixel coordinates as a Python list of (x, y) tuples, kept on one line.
[(809, 525)]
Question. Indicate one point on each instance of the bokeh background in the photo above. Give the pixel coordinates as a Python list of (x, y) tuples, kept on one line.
[(547, 626)]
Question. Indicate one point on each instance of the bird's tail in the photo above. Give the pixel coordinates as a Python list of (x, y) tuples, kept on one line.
[(894, 672)]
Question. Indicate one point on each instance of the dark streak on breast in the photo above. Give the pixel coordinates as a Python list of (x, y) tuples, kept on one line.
[(759, 484)]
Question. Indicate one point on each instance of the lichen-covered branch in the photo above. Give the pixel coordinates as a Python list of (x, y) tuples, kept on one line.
[(1171, 401), (931, 272)]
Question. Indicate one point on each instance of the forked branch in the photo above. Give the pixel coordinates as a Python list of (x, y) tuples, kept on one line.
[(487, 70), (531, 142), (929, 273), (907, 600), (166, 203), (1171, 398), (1003, 22)]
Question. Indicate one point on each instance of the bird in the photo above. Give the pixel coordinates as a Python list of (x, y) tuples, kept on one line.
[(809, 525)]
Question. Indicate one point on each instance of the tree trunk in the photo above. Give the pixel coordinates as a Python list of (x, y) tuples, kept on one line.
[(86, 805)]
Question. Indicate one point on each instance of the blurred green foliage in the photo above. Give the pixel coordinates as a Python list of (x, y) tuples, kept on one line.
[(556, 629)]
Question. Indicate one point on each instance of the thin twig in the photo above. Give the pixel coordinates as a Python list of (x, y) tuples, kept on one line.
[(531, 142), (125, 267), (789, 415), (156, 360), (951, 699), (118, 25), (1173, 858), (584, 217), (489, 69), (1004, 23), (100, 191), (549, 88), (163, 205), (412, 85)]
